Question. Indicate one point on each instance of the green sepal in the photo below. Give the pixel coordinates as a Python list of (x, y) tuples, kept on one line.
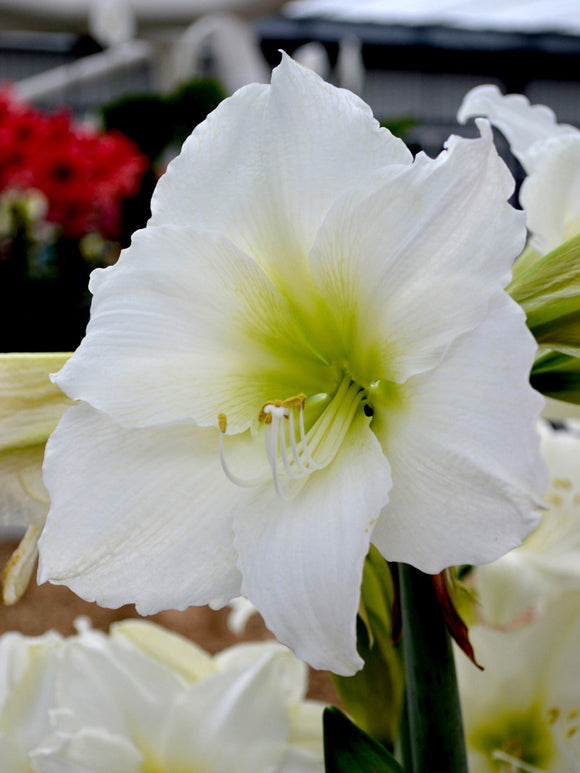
[(548, 290), (347, 749), (557, 375), (373, 697)]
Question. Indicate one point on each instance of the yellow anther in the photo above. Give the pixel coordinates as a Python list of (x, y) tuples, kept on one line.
[(290, 402), (264, 415), (222, 423), (564, 483), (553, 715), (573, 714), (294, 402), (572, 731)]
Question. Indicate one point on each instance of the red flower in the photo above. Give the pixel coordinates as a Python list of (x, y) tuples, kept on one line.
[(85, 175)]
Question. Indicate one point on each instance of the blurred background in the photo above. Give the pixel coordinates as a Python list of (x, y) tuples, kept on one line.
[(147, 72), (97, 96)]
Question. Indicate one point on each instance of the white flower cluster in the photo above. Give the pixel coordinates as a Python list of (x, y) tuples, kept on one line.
[(523, 712), (144, 700)]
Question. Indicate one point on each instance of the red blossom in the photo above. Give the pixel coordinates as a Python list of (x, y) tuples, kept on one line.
[(85, 175)]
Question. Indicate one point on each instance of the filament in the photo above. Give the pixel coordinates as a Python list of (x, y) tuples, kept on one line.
[(514, 763), (242, 482)]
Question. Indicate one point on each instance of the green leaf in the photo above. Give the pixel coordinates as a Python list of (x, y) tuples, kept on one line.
[(557, 375), (347, 749), (548, 289), (373, 697)]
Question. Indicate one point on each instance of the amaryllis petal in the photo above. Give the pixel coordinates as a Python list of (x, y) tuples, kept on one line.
[(493, 500), (521, 585), (30, 408), (30, 405), (91, 750), (205, 298), (231, 188), (23, 496), (551, 195), (27, 679), (302, 559), (299, 761), (157, 538), (242, 705), (525, 126), (172, 650), (548, 151), (367, 251), (20, 567), (110, 686)]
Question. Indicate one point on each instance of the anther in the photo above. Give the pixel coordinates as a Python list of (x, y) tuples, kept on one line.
[(265, 414)]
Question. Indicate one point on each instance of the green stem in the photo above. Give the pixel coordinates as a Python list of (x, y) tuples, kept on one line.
[(434, 713)]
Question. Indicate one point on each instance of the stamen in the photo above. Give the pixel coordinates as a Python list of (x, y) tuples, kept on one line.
[(283, 452), (244, 483), (326, 431), (293, 446), (277, 413), (304, 442), (325, 436)]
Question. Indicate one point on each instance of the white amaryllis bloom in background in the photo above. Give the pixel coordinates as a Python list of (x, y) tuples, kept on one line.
[(30, 408), (548, 151), (28, 667), (144, 699), (519, 586), (309, 348), (522, 713)]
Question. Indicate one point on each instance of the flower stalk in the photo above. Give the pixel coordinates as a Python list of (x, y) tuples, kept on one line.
[(434, 712)]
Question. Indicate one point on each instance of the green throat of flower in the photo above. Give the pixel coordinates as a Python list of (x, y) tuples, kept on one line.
[(293, 449), (517, 742)]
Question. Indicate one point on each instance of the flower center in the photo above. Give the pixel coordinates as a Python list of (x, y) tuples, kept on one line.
[(517, 742), (294, 452)]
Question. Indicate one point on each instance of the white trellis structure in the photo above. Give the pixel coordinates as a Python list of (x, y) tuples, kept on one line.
[(168, 35)]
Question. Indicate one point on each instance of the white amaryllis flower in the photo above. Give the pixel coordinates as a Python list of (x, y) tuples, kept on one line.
[(522, 713), (28, 668), (521, 585), (143, 699), (309, 348), (549, 153), (30, 408)]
